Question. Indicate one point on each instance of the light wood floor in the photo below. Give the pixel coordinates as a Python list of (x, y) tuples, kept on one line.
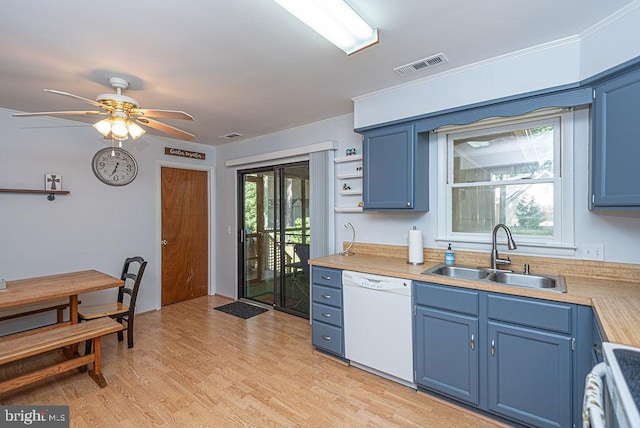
[(193, 366)]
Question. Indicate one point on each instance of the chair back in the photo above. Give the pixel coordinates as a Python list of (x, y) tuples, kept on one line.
[(302, 251), (131, 280)]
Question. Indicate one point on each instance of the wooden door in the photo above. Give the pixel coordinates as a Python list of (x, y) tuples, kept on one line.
[(185, 234)]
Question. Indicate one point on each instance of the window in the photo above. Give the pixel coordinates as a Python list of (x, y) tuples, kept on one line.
[(508, 171)]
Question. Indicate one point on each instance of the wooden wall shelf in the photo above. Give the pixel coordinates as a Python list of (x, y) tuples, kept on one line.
[(51, 193)]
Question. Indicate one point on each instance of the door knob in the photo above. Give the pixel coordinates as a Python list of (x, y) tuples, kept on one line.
[(164, 242)]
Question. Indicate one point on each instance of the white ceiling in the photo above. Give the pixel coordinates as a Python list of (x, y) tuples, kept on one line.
[(248, 66)]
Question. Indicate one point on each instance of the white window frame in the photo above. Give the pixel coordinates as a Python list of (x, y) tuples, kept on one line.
[(563, 241)]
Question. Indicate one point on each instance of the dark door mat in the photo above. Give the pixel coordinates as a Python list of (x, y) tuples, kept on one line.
[(241, 310)]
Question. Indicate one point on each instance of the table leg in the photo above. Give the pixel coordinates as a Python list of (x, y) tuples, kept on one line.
[(73, 317), (73, 308)]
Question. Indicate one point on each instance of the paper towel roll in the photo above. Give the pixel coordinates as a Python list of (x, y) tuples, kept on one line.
[(416, 250)]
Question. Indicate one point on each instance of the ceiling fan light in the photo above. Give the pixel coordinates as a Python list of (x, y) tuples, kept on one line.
[(104, 126), (134, 130), (119, 129)]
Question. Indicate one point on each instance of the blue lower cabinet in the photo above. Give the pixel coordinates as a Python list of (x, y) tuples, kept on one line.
[(328, 338), (326, 310), (510, 356), (447, 353), (529, 376)]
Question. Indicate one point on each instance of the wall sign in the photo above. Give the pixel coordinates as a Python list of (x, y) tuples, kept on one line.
[(184, 153)]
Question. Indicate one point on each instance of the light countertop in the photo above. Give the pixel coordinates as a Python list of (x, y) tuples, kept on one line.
[(616, 302)]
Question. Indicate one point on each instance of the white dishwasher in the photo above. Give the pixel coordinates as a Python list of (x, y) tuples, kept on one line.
[(378, 325)]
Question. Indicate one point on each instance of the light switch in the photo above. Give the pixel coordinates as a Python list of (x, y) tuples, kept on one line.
[(593, 252)]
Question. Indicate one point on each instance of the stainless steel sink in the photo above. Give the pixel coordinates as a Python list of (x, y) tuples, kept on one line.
[(459, 272), (551, 282), (500, 277)]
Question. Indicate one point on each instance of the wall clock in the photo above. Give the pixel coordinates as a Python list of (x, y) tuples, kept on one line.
[(114, 166)]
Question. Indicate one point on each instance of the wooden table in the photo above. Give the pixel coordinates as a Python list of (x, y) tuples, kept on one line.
[(45, 288), (51, 287)]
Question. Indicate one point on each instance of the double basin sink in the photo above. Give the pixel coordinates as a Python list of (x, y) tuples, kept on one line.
[(501, 277)]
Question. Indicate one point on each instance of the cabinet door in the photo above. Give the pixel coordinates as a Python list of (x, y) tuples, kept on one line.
[(447, 353), (529, 376), (616, 148), (388, 177)]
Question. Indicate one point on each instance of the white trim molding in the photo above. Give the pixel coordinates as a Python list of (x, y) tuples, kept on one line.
[(282, 154)]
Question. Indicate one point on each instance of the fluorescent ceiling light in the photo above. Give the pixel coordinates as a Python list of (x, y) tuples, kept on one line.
[(335, 21)]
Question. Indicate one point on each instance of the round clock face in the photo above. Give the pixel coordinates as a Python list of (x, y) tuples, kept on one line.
[(115, 167)]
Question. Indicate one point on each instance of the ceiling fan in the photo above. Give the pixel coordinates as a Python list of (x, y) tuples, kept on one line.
[(124, 114)]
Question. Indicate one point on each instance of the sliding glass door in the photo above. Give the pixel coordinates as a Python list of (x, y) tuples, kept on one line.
[(274, 236)]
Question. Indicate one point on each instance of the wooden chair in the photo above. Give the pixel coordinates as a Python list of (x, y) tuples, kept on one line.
[(119, 310)]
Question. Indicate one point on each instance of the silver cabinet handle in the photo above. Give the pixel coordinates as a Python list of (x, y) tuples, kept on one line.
[(493, 348), (473, 342), (408, 204), (325, 296), (326, 315), (326, 337), (327, 278)]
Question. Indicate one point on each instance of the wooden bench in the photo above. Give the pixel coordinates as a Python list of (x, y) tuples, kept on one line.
[(57, 336)]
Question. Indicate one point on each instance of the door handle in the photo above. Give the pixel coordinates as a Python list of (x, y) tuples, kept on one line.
[(493, 348), (473, 342), (163, 242)]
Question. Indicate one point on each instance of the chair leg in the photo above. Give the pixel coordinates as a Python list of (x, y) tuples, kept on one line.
[(120, 334), (130, 333)]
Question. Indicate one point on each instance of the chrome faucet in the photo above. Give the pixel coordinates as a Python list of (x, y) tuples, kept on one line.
[(495, 259)]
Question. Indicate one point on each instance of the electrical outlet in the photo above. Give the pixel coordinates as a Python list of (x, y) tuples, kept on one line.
[(593, 252)]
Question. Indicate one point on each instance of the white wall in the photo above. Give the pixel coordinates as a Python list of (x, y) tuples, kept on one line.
[(565, 61), (610, 42), (96, 226)]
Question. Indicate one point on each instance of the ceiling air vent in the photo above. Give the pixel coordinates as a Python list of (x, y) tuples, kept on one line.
[(230, 136), (421, 64)]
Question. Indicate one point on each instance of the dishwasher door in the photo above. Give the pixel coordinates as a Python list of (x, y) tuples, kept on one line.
[(378, 325)]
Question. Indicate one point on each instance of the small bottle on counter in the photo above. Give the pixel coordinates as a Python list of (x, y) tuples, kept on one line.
[(449, 256)]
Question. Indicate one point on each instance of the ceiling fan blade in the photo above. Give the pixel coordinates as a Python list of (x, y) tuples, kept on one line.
[(59, 113), (86, 100), (183, 135), (166, 114)]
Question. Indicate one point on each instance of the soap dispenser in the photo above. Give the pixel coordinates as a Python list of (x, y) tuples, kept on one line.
[(449, 256)]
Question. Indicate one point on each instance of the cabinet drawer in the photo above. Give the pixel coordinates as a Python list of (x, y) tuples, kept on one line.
[(327, 276), (327, 337), (327, 295), (327, 314), (540, 314), (448, 298)]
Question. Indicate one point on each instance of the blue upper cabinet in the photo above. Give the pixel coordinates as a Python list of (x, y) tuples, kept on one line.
[(396, 169), (616, 143)]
